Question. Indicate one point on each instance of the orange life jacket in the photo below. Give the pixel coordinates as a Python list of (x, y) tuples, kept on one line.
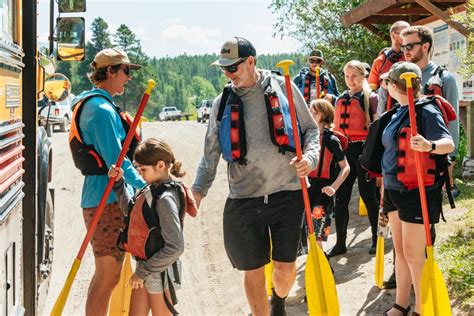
[(85, 157), (433, 165), (323, 169), (141, 236), (350, 116)]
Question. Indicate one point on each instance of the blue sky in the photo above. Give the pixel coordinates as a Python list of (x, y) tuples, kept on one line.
[(184, 26)]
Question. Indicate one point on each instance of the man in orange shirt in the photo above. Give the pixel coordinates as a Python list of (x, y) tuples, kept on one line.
[(389, 55)]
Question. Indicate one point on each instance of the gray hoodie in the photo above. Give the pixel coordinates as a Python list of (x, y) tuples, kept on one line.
[(267, 171)]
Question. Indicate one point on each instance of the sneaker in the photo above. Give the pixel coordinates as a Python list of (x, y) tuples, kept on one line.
[(337, 250), (455, 191), (277, 305), (391, 283)]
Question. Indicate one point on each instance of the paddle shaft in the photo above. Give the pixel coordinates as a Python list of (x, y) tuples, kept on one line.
[(419, 166), (299, 154), (318, 83), (110, 183)]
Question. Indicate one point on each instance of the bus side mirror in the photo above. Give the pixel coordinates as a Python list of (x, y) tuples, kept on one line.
[(57, 87), (71, 39), (71, 6)]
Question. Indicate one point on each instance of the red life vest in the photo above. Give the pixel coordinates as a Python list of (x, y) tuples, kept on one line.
[(85, 157), (432, 164), (323, 169), (390, 57), (350, 116), (141, 236)]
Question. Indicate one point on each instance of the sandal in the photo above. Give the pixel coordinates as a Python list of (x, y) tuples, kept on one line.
[(404, 311), (415, 314)]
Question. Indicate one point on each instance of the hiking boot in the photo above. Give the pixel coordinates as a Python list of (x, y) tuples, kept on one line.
[(277, 305), (337, 250), (391, 283), (373, 248)]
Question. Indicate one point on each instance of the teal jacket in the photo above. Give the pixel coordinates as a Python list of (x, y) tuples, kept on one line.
[(102, 128)]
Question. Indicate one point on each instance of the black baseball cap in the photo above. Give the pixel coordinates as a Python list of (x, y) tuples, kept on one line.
[(234, 50)]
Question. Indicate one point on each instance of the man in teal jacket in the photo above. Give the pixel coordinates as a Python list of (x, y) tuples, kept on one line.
[(99, 125)]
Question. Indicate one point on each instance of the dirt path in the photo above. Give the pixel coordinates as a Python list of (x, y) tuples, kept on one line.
[(210, 286)]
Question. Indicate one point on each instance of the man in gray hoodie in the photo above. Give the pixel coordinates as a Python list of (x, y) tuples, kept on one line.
[(249, 127)]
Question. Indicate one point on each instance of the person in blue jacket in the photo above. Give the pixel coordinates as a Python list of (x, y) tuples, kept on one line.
[(101, 129)]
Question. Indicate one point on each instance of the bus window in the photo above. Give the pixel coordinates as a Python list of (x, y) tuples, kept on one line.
[(7, 20)]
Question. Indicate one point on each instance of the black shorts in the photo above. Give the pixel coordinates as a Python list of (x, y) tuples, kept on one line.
[(248, 224), (409, 206)]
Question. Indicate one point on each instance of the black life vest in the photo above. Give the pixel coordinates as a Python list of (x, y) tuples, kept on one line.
[(434, 85), (85, 157), (232, 137), (350, 118), (323, 169)]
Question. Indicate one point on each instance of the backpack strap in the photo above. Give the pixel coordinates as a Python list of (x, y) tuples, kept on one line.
[(174, 299)]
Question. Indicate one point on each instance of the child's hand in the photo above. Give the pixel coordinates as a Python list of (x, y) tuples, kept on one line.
[(136, 282), (115, 172), (328, 190)]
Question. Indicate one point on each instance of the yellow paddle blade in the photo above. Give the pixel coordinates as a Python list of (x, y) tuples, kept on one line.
[(320, 286), (362, 208), (434, 294), (119, 304), (62, 298), (268, 277), (379, 262)]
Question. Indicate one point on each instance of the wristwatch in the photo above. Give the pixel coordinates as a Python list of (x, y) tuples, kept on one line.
[(433, 146)]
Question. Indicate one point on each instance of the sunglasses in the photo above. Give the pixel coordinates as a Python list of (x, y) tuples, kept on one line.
[(126, 71), (315, 61), (232, 68), (409, 47), (387, 80)]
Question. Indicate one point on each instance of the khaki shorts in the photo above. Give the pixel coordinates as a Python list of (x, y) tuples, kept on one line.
[(104, 240)]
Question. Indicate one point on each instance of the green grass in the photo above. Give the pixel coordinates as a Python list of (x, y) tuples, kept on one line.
[(456, 253)]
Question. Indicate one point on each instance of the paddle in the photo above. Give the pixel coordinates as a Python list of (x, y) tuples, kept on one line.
[(362, 208), (318, 83), (382, 233), (120, 300), (320, 287), (269, 267), (434, 295), (63, 295)]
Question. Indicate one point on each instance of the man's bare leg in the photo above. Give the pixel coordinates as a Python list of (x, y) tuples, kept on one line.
[(254, 282), (106, 277)]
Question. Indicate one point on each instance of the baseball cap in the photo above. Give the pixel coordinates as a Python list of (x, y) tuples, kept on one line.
[(234, 50), (402, 67), (111, 57), (317, 53)]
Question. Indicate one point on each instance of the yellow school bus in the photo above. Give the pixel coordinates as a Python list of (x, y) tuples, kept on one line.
[(26, 202)]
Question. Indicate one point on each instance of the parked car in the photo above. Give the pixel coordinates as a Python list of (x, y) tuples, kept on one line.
[(204, 110), (60, 115), (169, 113)]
